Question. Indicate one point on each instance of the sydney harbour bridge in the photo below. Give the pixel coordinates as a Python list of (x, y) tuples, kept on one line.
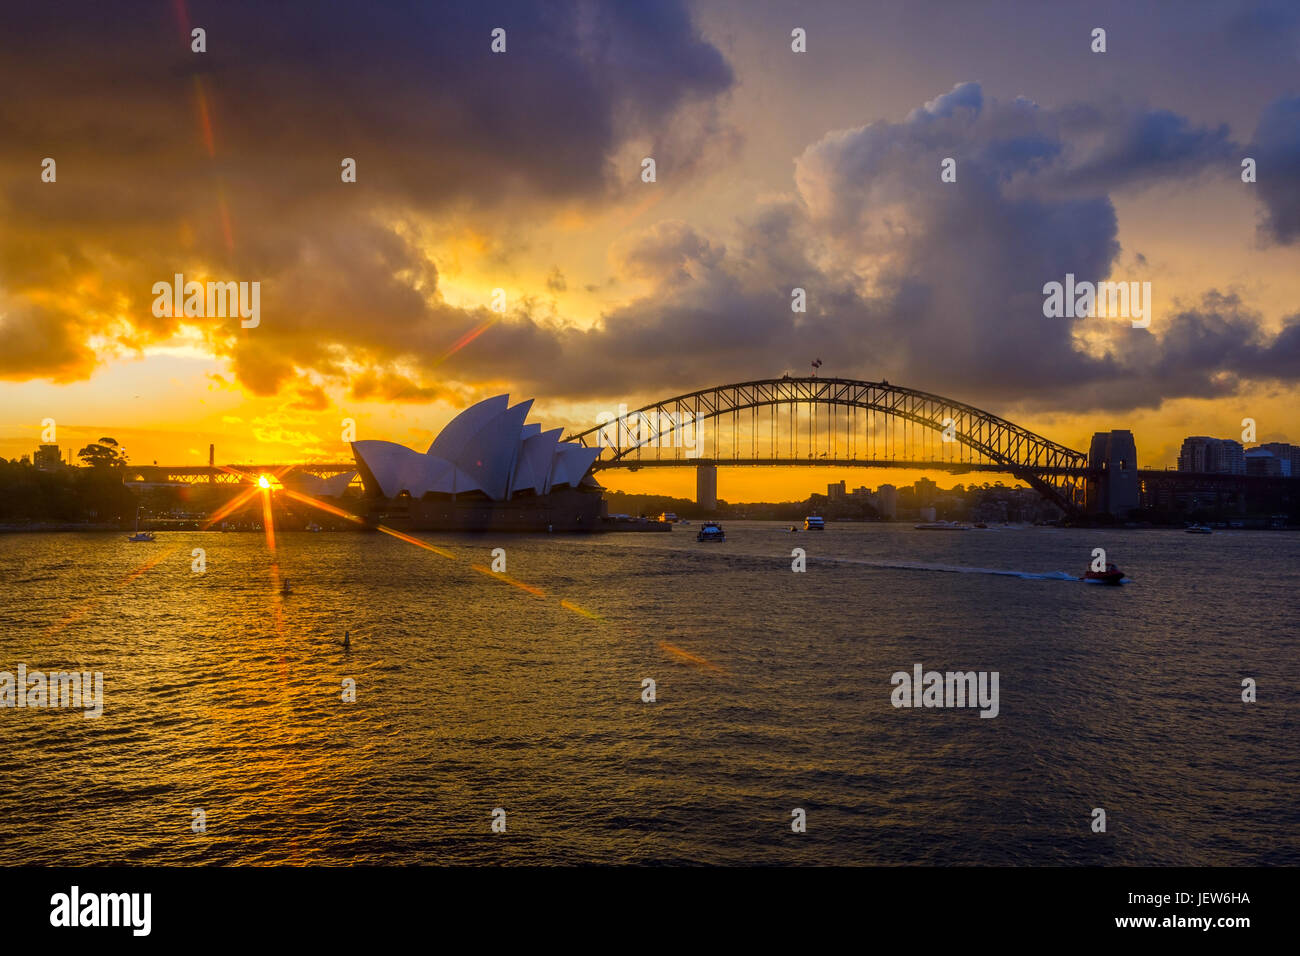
[(792, 422)]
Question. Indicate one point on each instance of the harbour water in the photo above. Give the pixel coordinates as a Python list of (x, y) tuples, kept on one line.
[(524, 691)]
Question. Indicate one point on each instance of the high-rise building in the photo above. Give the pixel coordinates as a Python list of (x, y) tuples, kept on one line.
[(887, 501), (926, 490), (1288, 455), (47, 458), (1231, 458), (1262, 462), (1194, 454), (836, 490), (1212, 456)]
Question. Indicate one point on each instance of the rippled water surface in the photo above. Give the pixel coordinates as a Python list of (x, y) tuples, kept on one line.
[(773, 693)]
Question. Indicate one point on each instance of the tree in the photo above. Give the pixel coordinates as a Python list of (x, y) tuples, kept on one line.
[(105, 453)]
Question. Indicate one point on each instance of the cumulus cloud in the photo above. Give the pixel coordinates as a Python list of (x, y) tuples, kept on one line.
[(935, 284)]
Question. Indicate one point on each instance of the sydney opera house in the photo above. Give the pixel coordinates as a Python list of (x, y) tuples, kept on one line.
[(486, 470)]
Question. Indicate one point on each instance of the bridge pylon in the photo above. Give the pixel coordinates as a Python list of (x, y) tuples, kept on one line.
[(706, 486)]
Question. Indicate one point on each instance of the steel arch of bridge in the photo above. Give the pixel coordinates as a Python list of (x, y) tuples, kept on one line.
[(1054, 470)]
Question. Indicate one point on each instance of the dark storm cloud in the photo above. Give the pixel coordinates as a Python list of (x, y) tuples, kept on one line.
[(1265, 28), (411, 89), (1222, 336), (285, 91), (39, 341), (1148, 145), (1276, 151)]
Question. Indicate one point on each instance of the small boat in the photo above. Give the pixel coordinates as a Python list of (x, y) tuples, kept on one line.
[(313, 526), (814, 523), (669, 517), (1112, 575), (792, 529), (139, 535), (1199, 529), (710, 531)]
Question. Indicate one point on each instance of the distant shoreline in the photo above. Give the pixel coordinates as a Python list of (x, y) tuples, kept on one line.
[(57, 526), (73, 527)]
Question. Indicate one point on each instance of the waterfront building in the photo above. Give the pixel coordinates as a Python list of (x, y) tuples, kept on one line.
[(1262, 462), (1212, 456), (486, 470), (926, 491), (1287, 454), (887, 501)]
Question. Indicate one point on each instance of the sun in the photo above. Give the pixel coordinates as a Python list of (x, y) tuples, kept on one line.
[(264, 483)]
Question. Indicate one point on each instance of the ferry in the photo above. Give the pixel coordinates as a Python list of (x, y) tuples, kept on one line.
[(814, 523), (669, 517), (711, 531), (1112, 575), (942, 526)]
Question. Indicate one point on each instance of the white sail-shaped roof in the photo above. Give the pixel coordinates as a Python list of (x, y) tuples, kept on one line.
[(571, 463), (535, 456), (489, 455), (486, 448), (451, 440), (397, 468)]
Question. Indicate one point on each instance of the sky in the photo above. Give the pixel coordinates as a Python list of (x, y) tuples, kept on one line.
[(522, 171)]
